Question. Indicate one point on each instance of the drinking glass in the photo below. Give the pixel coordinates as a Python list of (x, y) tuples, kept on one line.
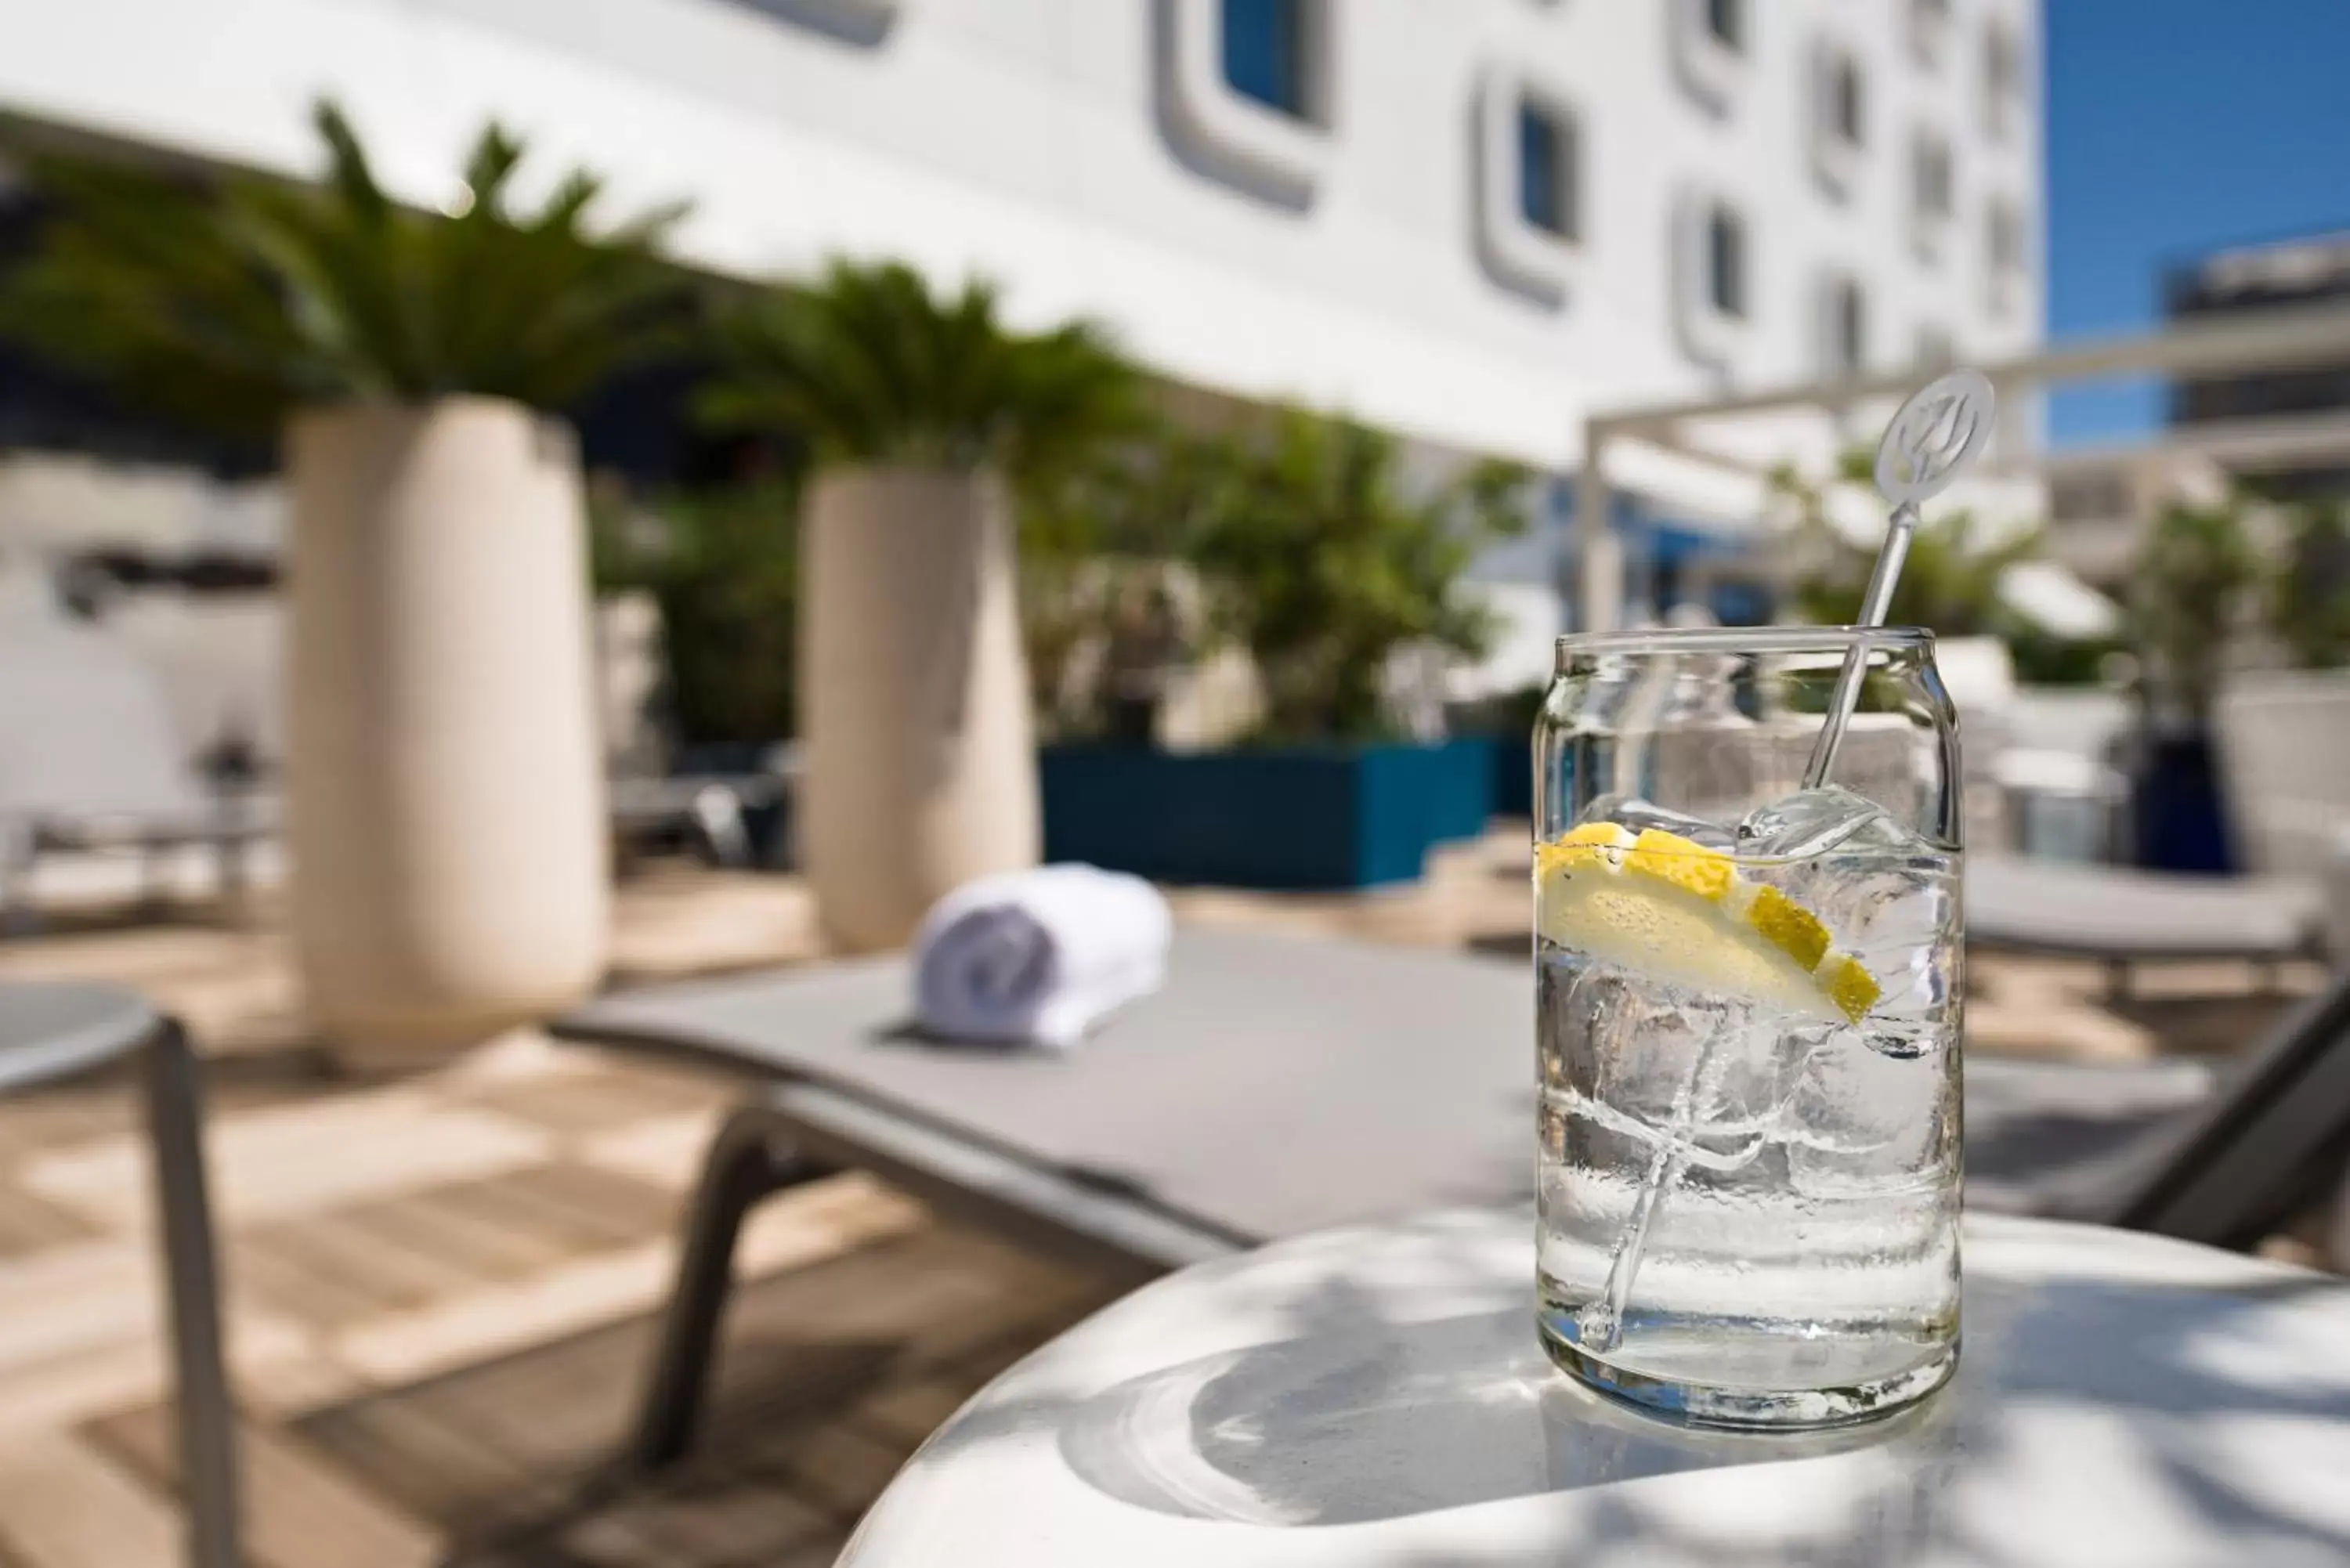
[(1748, 1024)]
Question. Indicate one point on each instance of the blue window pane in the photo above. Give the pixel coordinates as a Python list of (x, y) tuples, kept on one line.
[(1264, 52), (1541, 171)]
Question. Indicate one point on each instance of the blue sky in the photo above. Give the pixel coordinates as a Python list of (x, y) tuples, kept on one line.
[(2175, 126)]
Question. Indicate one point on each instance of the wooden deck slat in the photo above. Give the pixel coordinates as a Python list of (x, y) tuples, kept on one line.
[(818, 1554), (85, 1111), (791, 1231), (592, 1100), (525, 1207), (805, 1348), (65, 1505), (904, 1413), (621, 1209), (69, 1297), (718, 1506), (840, 1468), (389, 1274), (667, 1151), (30, 1223), (301, 1510), (947, 1293), (430, 1467), (263, 1269), (61, 1388), (288, 1160), (449, 1241), (456, 1214)]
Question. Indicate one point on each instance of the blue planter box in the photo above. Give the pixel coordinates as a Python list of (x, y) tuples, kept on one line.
[(1288, 817), (1465, 787), (1514, 775)]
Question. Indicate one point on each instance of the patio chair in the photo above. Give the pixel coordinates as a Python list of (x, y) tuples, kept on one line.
[(1279, 1084), (90, 761), (52, 1033)]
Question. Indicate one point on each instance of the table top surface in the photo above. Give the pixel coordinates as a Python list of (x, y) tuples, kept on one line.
[(1375, 1396)]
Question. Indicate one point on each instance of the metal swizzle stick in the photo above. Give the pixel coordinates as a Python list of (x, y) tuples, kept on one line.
[(1934, 435)]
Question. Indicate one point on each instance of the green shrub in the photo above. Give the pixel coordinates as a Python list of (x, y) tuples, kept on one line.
[(1322, 566), (723, 566), (2309, 594), (2197, 575)]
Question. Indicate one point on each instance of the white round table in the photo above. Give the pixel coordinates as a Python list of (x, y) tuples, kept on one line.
[(1375, 1396)]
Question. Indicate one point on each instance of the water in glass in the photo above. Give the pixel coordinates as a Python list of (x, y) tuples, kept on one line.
[(1748, 1124)]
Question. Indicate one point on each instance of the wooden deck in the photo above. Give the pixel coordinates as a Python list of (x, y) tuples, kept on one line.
[(440, 1282)]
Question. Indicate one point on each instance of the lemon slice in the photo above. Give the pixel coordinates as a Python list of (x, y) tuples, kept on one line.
[(1665, 906)]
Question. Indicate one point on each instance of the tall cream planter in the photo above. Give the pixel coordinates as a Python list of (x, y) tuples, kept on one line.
[(445, 805), (921, 762)]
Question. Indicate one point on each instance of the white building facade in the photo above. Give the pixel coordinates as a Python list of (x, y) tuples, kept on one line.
[(1471, 220)]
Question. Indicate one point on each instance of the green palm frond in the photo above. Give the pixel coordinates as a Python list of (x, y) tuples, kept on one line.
[(870, 366), (1323, 565), (233, 302)]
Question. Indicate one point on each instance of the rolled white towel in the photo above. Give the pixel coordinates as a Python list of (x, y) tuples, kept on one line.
[(1038, 956)]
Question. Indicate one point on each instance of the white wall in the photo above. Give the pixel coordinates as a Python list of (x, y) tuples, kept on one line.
[(1029, 139)]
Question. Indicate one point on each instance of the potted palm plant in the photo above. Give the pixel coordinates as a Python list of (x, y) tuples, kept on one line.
[(2197, 582), (1318, 563), (924, 414), (444, 793)]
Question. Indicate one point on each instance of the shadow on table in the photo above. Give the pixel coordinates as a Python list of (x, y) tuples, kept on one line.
[(1356, 1419), (1350, 1428)]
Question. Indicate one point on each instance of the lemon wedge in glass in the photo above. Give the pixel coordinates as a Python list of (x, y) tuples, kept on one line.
[(1662, 905)]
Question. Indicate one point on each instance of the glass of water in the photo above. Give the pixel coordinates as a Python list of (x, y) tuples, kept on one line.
[(1748, 1024)]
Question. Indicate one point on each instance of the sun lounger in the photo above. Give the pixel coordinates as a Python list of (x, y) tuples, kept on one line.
[(2281, 745), (2124, 916), (1279, 1084), (2270, 1140)]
